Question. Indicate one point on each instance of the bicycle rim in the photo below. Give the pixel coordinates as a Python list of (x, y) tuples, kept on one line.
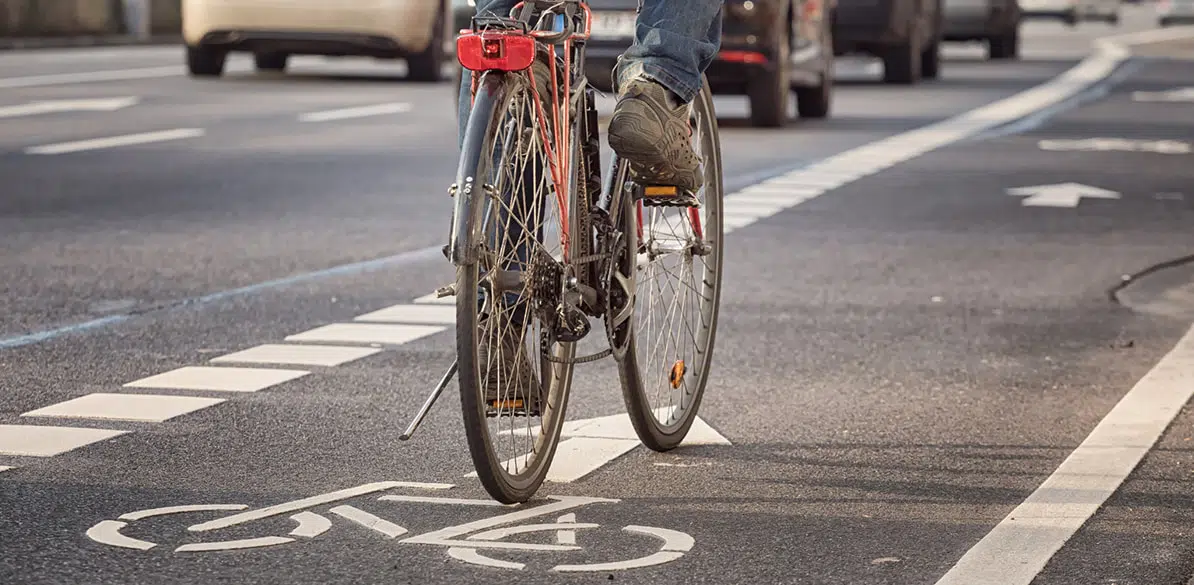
[(512, 451), (668, 339)]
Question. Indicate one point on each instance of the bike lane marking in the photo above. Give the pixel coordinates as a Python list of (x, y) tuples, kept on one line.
[(295, 354), (46, 441)]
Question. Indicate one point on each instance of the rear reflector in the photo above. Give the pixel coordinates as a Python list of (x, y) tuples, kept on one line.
[(503, 51)]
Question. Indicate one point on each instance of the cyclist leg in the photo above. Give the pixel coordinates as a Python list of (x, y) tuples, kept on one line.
[(674, 42)]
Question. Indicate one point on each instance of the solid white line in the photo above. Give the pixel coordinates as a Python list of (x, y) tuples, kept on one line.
[(304, 355), (116, 141), (134, 407), (68, 78), (39, 441), (367, 333), (6, 467), (1020, 545), (359, 112), (222, 379), (420, 314)]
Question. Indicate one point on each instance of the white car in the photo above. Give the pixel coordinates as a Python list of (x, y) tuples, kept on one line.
[(273, 30)]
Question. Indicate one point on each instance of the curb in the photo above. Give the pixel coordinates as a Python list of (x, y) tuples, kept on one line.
[(34, 43)]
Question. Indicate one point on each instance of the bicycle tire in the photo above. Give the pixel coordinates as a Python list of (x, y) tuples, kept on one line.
[(656, 434), (495, 94)]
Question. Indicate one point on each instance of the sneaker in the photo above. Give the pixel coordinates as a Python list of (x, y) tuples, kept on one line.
[(650, 129), (509, 378)]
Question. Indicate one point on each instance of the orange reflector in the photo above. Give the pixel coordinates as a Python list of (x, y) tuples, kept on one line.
[(677, 375), (516, 403), (660, 191)]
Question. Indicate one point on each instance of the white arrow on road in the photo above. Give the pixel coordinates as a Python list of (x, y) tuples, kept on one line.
[(1181, 94), (1060, 195), (59, 106)]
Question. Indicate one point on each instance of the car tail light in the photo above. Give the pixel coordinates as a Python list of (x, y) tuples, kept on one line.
[(742, 56), (504, 51)]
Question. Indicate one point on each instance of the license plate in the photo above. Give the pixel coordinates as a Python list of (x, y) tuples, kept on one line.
[(613, 25)]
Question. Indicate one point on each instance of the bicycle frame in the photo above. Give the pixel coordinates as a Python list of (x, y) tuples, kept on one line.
[(492, 54)]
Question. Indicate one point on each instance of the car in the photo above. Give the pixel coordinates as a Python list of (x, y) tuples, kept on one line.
[(1072, 12), (994, 22), (757, 36), (413, 30), (905, 34), (1171, 12)]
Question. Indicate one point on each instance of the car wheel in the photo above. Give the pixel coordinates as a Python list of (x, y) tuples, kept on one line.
[(428, 65), (205, 61), (902, 64), (1006, 46), (930, 61), (1071, 18), (1113, 20), (814, 102), (769, 91), (270, 61)]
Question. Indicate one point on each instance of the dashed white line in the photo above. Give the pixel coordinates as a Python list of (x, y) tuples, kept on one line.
[(221, 379), (367, 333), (358, 112), (68, 78), (39, 441), (6, 467), (116, 141), (132, 407), (304, 355), (419, 314)]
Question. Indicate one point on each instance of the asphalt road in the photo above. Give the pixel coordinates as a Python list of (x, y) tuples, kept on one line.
[(902, 361)]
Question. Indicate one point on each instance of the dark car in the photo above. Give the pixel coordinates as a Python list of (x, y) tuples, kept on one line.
[(757, 35), (905, 34)]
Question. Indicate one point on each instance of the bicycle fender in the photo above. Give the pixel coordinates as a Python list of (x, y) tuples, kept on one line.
[(491, 91)]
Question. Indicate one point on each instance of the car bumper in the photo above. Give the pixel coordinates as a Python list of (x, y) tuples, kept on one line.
[(380, 27), (979, 22), (872, 22)]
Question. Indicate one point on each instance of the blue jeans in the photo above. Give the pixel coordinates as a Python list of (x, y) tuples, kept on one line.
[(674, 42)]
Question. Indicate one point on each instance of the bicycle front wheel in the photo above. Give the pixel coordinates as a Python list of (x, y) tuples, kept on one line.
[(514, 377), (673, 258)]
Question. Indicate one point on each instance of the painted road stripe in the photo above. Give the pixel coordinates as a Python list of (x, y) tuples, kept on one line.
[(38, 441), (1020, 545), (304, 355), (116, 141), (6, 467), (431, 299), (222, 379), (421, 314), (367, 333), (738, 206), (132, 407), (359, 112), (111, 75)]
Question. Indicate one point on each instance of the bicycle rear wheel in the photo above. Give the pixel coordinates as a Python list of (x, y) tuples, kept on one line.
[(513, 398), (670, 271)]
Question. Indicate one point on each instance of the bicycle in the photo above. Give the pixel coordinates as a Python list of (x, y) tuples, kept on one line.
[(531, 147)]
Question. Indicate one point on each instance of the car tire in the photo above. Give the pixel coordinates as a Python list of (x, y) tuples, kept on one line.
[(930, 61), (901, 64), (769, 91), (428, 65), (1113, 20), (206, 61), (1006, 46), (815, 102), (1071, 19), (270, 61)]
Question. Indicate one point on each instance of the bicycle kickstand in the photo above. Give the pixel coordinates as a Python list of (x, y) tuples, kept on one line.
[(439, 389)]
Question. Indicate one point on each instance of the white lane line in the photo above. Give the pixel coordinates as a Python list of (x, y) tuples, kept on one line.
[(421, 314), (733, 205), (367, 333), (116, 141), (1024, 541), (431, 299), (111, 75), (133, 407), (303, 355), (6, 467), (363, 518), (39, 441), (359, 112), (222, 378)]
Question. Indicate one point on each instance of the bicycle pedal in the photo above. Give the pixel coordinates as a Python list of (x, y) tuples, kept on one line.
[(516, 407), (667, 196)]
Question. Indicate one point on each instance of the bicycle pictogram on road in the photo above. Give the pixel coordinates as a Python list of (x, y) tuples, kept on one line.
[(464, 542)]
